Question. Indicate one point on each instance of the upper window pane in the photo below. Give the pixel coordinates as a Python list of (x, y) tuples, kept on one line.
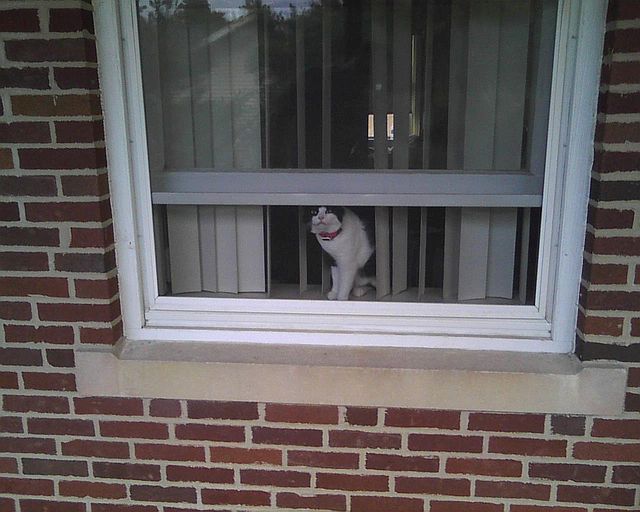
[(347, 84)]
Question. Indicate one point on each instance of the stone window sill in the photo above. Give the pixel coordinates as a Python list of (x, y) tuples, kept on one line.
[(360, 376)]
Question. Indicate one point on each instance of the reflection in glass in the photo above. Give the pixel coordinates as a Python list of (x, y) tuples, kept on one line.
[(347, 84)]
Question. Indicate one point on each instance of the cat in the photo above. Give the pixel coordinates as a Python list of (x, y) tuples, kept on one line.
[(342, 235)]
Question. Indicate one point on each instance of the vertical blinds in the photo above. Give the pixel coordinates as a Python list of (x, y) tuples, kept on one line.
[(360, 84)]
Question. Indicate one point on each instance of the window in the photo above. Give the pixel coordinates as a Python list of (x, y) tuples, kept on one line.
[(457, 126)]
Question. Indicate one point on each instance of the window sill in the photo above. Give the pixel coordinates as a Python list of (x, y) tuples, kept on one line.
[(362, 376)]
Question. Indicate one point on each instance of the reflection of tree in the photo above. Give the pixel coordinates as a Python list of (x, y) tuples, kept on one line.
[(276, 27)]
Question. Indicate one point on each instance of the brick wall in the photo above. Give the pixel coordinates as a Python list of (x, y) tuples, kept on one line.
[(60, 452)]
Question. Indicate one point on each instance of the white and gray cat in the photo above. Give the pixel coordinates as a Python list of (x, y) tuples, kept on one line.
[(342, 234)]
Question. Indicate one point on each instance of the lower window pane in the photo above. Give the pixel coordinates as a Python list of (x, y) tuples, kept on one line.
[(399, 254)]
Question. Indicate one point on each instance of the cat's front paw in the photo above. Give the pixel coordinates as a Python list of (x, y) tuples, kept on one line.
[(332, 295)]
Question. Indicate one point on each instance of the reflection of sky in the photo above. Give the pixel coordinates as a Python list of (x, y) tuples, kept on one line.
[(231, 9)]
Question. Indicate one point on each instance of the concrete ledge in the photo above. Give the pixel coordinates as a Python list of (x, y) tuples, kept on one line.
[(465, 380)]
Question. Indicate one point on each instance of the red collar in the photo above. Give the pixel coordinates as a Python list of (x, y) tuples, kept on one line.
[(329, 236)]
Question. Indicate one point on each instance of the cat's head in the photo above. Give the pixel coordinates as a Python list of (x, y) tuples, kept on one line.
[(326, 219)]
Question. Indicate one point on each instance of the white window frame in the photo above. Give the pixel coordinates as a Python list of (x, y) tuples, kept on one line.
[(547, 326)]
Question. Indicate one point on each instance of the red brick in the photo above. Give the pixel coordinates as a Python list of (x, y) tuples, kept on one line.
[(314, 502), (224, 433), (445, 443), (92, 237), (629, 452), (27, 445), (70, 20), (52, 506), (7, 466), (626, 475), (96, 185), (194, 474), (362, 416), (20, 356), (96, 288), (68, 212), (633, 380), (49, 381), (163, 494), (275, 478), (635, 327), (6, 159), (235, 497), (336, 460), (591, 494), (82, 489), (46, 404), (26, 286), (542, 508), (385, 504), (126, 471), (623, 301), (457, 506), (568, 425), (29, 236), (202, 409), (55, 467), (24, 78), (58, 50), (615, 161), (170, 452), (118, 507), (29, 261), (359, 439), (15, 311), (422, 418), (19, 20), (76, 78), (507, 422), (623, 429), (12, 424), (485, 467), (623, 246), (524, 446), (131, 429), (402, 463), (603, 326), (434, 486), (28, 486), (505, 489), (632, 402), (345, 482), (619, 190), (79, 312), (247, 455), (285, 413), (287, 436), (60, 358), (29, 132), (165, 408), (98, 449), (608, 274), (619, 133), (623, 10), (568, 472), (627, 40), (44, 334), (108, 405), (8, 380), (9, 212), (106, 336), (79, 131), (28, 185), (60, 105), (609, 218)]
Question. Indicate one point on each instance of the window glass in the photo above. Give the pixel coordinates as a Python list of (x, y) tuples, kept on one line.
[(347, 84), (257, 99)]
